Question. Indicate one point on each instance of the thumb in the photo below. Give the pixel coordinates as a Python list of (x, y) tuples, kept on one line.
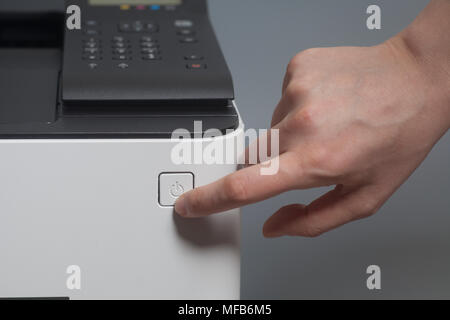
[(332, 210)]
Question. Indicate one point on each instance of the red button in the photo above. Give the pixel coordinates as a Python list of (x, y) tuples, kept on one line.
[(196, 66)]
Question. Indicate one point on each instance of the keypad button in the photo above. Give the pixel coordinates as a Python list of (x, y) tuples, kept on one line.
[(196, 66), (186, 32), (151, 27), (91, 39), (149, 50), (125, 27), (120, 57), (149, 45), (92, 32), (91, 50), (91, 45), (188, 40), (171, 8), (120, 41), (119, 38), (91, 57), (120, 45), (148, 39), (123, 65), (120, 51), (151, 56), (92, 23), (194, 57), (184, 23), (138, 26)]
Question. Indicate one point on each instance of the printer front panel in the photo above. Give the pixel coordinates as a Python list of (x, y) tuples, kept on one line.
[(95, 205)]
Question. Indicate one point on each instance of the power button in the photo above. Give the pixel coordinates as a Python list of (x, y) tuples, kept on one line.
[(173, 185)]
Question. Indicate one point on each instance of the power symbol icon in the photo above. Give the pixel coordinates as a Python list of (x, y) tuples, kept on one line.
[(176, 190), (173, 185)]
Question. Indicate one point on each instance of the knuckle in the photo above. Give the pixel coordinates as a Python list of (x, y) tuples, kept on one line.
[(301, 58), (290, 171), (295, 62), (303, 119), (329, 164), (235, 189), (295, 90), (319, 158), (311, 230), (290, 127), (336, 164)]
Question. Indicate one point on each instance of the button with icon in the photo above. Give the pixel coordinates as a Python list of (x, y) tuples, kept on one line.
[(196, 66), (184, 23), (193, 57), (170, 8), (173, 185), (93, 65), (176, 189), (123, 65)]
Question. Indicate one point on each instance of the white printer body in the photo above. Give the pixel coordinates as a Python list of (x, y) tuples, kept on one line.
[(87, 185), (94, 204)]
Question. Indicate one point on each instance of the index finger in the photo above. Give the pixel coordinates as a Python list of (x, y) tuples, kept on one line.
[(242, 188)]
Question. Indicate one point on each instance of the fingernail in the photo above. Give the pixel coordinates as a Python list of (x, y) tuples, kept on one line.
[(180, 207)]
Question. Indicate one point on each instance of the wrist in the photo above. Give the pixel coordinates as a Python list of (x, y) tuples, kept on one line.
[(427, 42)]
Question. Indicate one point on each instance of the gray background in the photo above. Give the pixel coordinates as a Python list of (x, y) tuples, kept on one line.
[(409, 238)]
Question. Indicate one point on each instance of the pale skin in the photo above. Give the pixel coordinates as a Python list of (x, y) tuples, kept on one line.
[(361, 119)]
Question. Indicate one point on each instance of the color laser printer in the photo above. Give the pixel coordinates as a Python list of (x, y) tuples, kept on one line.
[(87, 178)]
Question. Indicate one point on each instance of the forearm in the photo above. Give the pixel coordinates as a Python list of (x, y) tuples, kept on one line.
[(428, 40)]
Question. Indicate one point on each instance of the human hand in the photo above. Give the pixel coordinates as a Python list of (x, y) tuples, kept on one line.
[(360, 119)]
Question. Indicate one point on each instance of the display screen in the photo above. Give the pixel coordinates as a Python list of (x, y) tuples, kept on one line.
[(134, 2)]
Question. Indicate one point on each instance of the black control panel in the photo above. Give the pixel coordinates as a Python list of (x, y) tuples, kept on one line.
[(173, 74), (146, 53)]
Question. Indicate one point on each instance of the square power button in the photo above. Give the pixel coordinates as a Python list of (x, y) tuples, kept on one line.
[(172, 186)]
